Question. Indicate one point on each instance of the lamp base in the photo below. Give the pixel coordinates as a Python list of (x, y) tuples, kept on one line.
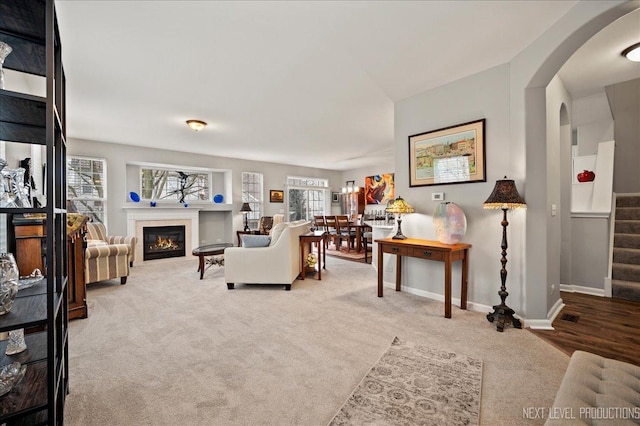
[(504, 315), (399, 235), (246, 228)]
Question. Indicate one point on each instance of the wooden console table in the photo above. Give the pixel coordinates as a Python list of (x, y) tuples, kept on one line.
[(318, 237), (430, 250)]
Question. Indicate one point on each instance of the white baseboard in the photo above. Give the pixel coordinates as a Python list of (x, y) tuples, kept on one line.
[(607, 287), (471, 306), (547, 323), (580, 289), (538, 324)]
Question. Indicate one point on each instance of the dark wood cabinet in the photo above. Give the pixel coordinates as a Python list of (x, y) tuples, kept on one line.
[(31, 29), (30, 242), (76, 245), (30, 253)]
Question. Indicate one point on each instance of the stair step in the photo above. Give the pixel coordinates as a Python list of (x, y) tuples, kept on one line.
[(627, 226), (625, 272), (625, 290), (627, 213), (626, 255), (626, 241), (628, 201)]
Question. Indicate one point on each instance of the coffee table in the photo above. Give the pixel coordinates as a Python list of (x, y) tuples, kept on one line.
[(210, 250)]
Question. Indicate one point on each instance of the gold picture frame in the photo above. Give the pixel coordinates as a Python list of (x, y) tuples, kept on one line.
[(276, 196), (450, 155)]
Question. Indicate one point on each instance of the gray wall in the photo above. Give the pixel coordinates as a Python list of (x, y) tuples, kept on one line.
[(213, 225), (558, 182), (624, 99), (484, 95), (513, 100)]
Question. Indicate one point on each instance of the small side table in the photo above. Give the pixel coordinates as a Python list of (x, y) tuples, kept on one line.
[(210, 250), (319, 238)]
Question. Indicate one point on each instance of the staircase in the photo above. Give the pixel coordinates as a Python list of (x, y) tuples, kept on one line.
[(625, 271)]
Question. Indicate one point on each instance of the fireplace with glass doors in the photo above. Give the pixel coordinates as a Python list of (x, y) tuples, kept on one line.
[(160, 242)]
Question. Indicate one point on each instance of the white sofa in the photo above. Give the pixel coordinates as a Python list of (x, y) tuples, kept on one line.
[(279, 263)]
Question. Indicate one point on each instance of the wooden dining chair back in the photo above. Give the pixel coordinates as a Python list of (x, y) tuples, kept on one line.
[(367, 242), (332, 229), (344, 232), (319, 223)]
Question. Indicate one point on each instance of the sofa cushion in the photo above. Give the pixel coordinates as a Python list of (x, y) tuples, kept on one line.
[(595, 384), (250, 241), (276, 231), (91, 243)]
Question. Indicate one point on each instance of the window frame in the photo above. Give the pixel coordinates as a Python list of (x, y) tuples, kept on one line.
[(307, 184), (167, 195), (257, 206), (104, 182)]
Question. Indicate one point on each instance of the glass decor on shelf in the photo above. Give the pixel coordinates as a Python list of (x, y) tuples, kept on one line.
[(8, 282), (11, 375), (16, 342), (5, 49)]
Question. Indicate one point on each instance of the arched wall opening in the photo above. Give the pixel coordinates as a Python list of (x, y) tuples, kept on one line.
[(533, 70)]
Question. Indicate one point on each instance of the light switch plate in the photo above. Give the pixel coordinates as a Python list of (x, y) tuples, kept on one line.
[(437, 196)]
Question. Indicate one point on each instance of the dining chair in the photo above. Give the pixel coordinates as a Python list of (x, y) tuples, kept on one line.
[(332, 230), (266, 223), (366, 237), (345, 232), (319, 223)]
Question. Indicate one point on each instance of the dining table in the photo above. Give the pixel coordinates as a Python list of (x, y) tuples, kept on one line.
[(359, 226)]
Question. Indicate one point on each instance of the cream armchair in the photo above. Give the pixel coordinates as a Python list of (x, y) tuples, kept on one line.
[(97, 232), (277, 263)]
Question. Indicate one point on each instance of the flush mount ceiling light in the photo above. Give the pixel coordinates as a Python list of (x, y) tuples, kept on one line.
[(632, 53), (196, 125)]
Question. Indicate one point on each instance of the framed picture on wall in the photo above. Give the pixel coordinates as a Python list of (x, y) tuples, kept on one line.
[(276, 196), (379, 189), (453, 154), (335, 197)]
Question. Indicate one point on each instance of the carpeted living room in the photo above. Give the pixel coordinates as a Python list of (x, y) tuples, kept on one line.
[(473, 156), (161, 351)]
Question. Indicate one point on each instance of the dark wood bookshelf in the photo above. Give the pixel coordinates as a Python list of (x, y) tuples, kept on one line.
[(26, 312), (29, 395), (22, 26), (30, 28), (36, 350)]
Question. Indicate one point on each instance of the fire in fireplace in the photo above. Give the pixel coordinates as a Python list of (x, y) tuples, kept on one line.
[(163, 241)]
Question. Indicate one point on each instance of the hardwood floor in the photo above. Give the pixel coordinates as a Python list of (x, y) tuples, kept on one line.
[(607, 327)]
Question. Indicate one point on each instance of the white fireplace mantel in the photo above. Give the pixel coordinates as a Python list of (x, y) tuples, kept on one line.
[(138, 217)]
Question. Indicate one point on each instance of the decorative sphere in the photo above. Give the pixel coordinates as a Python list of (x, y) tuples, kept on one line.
[(450, 223)]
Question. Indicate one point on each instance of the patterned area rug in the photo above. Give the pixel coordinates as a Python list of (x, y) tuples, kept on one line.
[(344, 254), (416, 385)]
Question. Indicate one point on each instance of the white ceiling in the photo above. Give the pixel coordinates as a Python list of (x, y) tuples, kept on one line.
[(599, 63), (304, 83)]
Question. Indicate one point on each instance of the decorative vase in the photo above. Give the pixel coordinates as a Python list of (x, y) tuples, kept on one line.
[(450, 223), (5, 49), (16, 342), (16, 186), (586, 176), (9, 276)]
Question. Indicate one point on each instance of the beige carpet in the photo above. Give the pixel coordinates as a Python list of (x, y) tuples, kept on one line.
[(168, 348), (416, 385)]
